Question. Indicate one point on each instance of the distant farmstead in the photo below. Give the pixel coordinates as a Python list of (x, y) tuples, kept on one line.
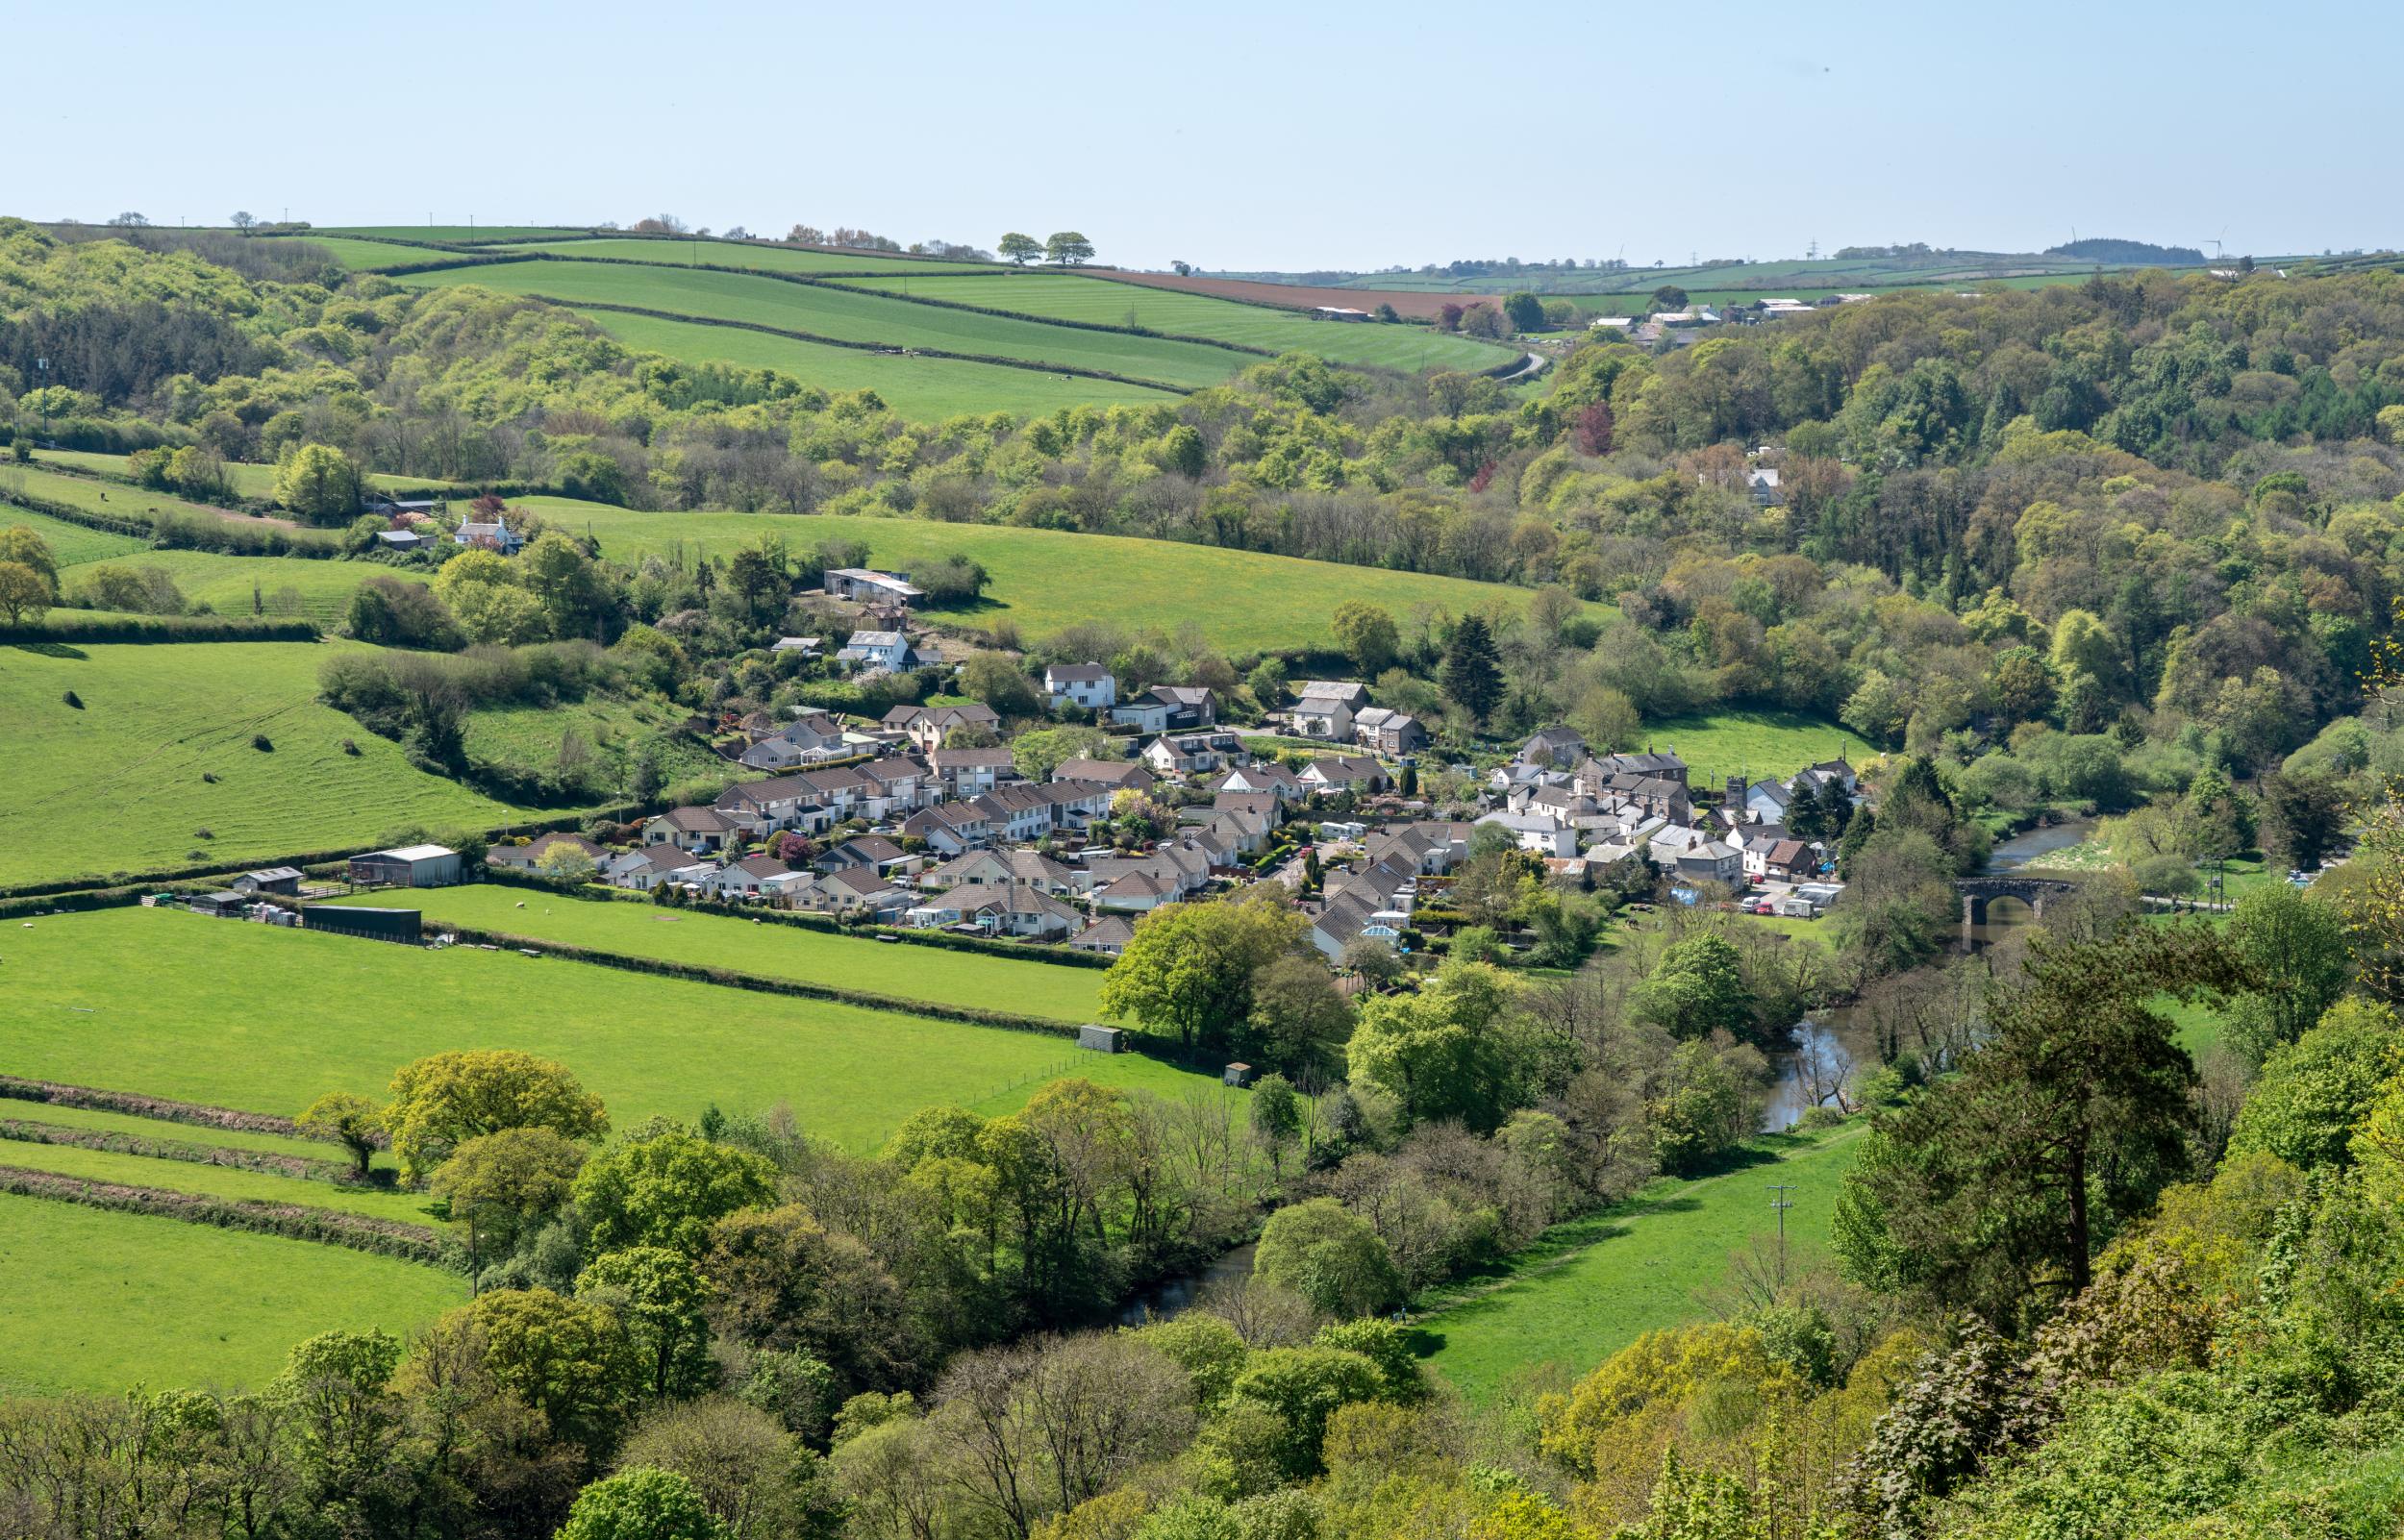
[(1340, 312), (409, 866), (867, 585)]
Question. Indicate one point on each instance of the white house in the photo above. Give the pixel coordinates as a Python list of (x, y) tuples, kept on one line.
[(1086, 685), (877, 649), (1324, 708)]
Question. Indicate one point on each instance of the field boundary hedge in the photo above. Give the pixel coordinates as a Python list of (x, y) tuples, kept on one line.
[(175, 529), (300, 1168), (1030, 366), (327, 1226), (199, 1114), (80, 626), (757, 983)]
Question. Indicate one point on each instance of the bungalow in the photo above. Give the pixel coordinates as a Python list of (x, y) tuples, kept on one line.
[(1089, 687), (1345, 920), (1432, 848), (698, 830), (647, 868), (1166, 708), (496, 535), (1827, 770), (805, 740), (1344, 772), (870, 586), (929, 724), (873, 650), (1119, 775), (1323, 709), (1383, 730), (866, 852), (1267, 779), (787, 889), (1107, 937), (860, 889), (744, 878), (1026, 913), (1789, 860), (528, 856), (1185, 754), (1136, 893)]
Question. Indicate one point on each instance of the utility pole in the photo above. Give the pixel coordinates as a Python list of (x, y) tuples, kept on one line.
[(1781, 1203)]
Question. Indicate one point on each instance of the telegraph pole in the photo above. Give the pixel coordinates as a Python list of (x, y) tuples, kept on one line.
[(1781, 1203)]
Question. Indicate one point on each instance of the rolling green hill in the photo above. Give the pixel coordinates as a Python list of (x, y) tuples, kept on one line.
[(745, 254), (115, 785)]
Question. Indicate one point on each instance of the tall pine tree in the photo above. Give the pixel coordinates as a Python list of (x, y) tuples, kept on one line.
[(1472, 677)]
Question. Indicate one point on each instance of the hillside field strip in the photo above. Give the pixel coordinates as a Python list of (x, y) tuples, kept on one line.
[(73, 545), (120, 500), (1032, 987), (1046, 579), (97, 1300), (115, 785), (1593, 1285), (920, 389), (177, 1004), (1067, 298), (1758, 744), (850, 315), (743, 254), (250, 479), (313, 589)]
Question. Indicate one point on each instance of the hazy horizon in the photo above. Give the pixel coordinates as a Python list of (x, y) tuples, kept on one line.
[(1259, 139)]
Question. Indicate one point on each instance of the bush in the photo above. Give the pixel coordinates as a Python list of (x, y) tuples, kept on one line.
[(260, 742)]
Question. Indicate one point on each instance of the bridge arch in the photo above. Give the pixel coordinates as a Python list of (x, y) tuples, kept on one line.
[(1978, 891)]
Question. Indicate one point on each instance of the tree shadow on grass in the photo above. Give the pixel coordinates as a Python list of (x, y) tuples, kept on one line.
[(54, 650)]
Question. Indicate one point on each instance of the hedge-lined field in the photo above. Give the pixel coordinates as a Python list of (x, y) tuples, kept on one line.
[(250, 479), (740, 253), (1593, 1285), (212, 1180), (115, 785), (318, 590), (74, 544), (119, 500), (920, 388), (850, 315), (1761, 745), (1410, 348), (98, 1120), (92, 1300), (1030, 988), (1046, 580), (239, 1015)]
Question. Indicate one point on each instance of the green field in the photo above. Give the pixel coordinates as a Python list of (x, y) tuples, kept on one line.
[(1165, 310), (743, 254), (318, 590), (72, 544), (454, 234), (920, 389), (1593, 1285), (779, 951), (529, 736), (116, 786), (1762, 745), (239, 1015), (250, 480), (216, 1182), (848, 315), (369, 256), (92, 1300), (57, 1115), (1046, 580), (119, 500)]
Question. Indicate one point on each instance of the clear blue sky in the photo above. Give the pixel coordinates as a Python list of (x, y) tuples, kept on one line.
[(1236, 135)]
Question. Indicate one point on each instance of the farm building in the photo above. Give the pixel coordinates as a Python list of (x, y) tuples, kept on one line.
[(273, 879), (1340, 312), (409, 866), (864, 583), (378, 925)]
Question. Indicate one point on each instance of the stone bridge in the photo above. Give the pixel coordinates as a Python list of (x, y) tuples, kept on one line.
[(1978, 891)]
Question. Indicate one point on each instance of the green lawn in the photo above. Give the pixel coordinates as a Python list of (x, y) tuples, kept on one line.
[(742, 254), (1164, 310), (91, 1301), (1593, 1285), (265, 1020), (851, 316), (72, 544), (779, 951), (1046, 580), (216, 1182), (116, 786), (1761, 745), (922, 389)]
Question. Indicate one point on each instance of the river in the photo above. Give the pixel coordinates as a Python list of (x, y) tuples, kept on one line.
[(1829, 1042)]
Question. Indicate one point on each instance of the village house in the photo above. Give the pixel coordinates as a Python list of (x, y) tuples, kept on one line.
[(763, 808), (1018, 813), (1267, 777), (1107, 937), (860, 890), (1430, 848), (1553, 748), (967, 772), (1118, 775), (646, 868), (806, 646), (1383, 730), (878, 651), (1001, 868), (805, 740), (1167, 709), (1323, 709), (866, 585), (497, 535), (950, 827), (744, 878), (1186, 754), (929, 724), (1542, 832), (699, 830), (1087, 687), (1344, 771), (869, 852)]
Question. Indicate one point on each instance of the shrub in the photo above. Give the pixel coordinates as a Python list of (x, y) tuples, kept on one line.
[(259, 742)]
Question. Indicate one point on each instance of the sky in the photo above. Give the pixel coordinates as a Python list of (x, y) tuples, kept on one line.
[(1236, 135)]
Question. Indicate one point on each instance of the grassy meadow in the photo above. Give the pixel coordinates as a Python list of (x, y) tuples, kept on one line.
[(920, 388), (250, 478), (744, 253), (201, 1009), (850, 315), (1031, 987), (1163, 309), (1046, 580), (215, 1182), (53, 1114), (1762, 745), (272, 586), (117, 783), (121, 499), (91, 1301), (71, 545), (1593, 1285)]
